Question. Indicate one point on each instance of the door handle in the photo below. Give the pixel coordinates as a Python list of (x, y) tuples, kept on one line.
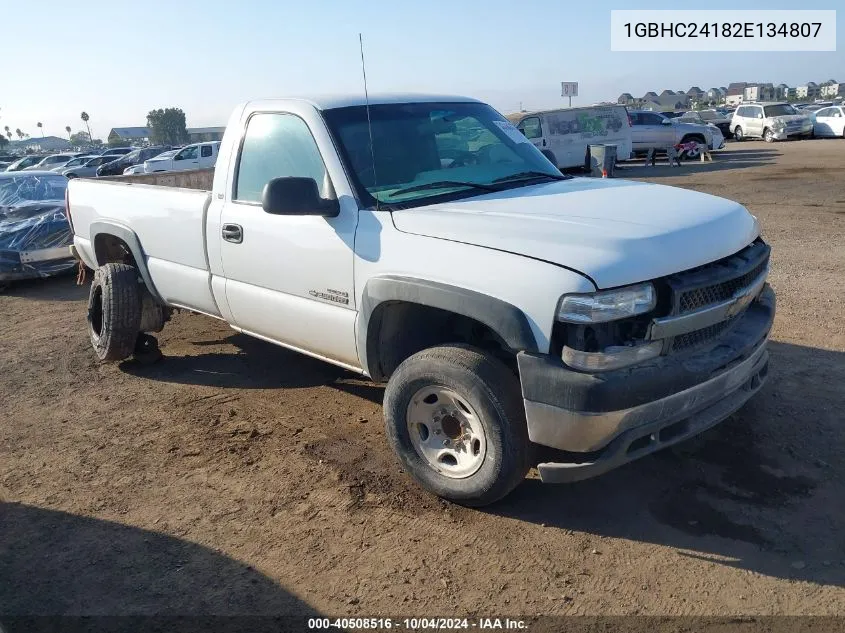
[(233, 233), (544, 142)]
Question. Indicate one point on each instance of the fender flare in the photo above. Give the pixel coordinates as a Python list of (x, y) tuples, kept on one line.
[(505, 319), (129, 237)]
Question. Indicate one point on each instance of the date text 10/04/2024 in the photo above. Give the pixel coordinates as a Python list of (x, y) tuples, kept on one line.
[(416, 624)]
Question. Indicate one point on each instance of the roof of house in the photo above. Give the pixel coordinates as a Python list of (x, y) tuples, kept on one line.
[(626, 95), (649, 94), (206, 130), (130, 132), (810, 84), (667, 92), (694, 90)]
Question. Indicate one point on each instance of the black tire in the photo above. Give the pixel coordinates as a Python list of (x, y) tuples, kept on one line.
[(70, 176), (493, 391), (699, 140), (114, 311), (768, 136), (738, 136)]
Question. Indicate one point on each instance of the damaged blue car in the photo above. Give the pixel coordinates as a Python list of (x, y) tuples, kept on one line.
[(35, 235)]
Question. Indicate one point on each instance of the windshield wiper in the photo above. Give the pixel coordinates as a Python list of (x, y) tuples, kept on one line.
[(443, 184), (525, 175)]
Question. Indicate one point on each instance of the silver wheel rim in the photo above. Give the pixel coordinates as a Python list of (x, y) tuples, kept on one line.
[(693, 152), (768, 136), (446, 432)]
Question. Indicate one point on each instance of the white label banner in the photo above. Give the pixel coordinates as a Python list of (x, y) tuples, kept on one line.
[(722, 30)]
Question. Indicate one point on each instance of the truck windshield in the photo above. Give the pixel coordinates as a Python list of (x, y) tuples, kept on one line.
[(423, 151)]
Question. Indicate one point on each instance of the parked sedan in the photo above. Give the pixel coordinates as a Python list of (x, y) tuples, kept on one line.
[(51, 162), (89, 169), (137, 157), (76, 162), (829, 122), (23, 163), (35, 236)]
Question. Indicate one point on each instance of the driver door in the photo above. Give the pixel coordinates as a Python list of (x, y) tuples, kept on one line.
[(188, 158)]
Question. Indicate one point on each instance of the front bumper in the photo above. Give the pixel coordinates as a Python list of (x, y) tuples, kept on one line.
[(608, 419)]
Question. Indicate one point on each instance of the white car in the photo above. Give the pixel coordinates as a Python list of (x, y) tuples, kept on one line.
[(197, 156), (829, 121), (504, 304), (76, 162), (50, 163), (771, 121)]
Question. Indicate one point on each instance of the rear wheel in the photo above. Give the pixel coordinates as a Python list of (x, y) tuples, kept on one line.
[(114, 311), (455, 419), (738, 135)]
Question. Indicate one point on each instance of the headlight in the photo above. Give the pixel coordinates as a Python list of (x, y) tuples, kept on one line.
[(607, 305), (779, 125)]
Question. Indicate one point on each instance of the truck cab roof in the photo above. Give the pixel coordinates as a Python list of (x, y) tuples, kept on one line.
[(331, 102)]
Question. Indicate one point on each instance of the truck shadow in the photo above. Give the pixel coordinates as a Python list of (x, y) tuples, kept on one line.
[(55, 563), (254, 364), (732, 159), (764, 491)]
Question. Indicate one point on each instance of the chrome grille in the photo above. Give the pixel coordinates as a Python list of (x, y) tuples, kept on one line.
[(716, 293)]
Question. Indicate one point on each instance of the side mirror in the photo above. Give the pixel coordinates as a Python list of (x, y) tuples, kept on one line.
[(759, 116), (666, 121), (296, 196)]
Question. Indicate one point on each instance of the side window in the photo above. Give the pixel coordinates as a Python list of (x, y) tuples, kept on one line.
[(531, 128), (826, 112), (206, 151), (650, 118), (742, 111), (189, 153), (758, 112), (635, 118), (276, 146)]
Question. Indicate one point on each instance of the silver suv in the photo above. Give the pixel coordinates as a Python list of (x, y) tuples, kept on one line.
[(772, 121)]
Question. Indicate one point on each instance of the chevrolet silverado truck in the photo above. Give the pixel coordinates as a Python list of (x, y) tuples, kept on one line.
[(425, 243)]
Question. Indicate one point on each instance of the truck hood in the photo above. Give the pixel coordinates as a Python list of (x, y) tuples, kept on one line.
[(616, 232)]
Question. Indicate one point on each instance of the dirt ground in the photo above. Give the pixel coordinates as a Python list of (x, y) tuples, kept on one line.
[(238, 477)]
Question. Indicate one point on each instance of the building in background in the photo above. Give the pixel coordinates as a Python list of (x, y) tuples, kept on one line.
[(37, 145), (810, 90), (205, 134), (735, 94), (130, 135), (759, 92), (832, 90), (716, 95)]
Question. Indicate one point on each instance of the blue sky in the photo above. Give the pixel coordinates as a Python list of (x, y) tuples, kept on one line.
[(117, 60)]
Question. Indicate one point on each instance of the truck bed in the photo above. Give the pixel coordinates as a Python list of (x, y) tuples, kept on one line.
[(170, 225)]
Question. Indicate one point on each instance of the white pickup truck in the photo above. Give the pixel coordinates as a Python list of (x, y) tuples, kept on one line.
[(426, 243)]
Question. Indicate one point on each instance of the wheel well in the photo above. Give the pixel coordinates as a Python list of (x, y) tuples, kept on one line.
[(108, 249), (698, 138), (400, 329)]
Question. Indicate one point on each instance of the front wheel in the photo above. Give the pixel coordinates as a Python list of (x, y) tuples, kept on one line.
[(768, 136), (738, 135), (455, 419)]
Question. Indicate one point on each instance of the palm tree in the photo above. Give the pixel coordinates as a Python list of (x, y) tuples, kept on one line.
[(6, 129), (19, 133), (84, 116), (67, 129), (40, 126)]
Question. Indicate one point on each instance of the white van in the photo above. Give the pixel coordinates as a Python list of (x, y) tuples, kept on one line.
[(564, 136)]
